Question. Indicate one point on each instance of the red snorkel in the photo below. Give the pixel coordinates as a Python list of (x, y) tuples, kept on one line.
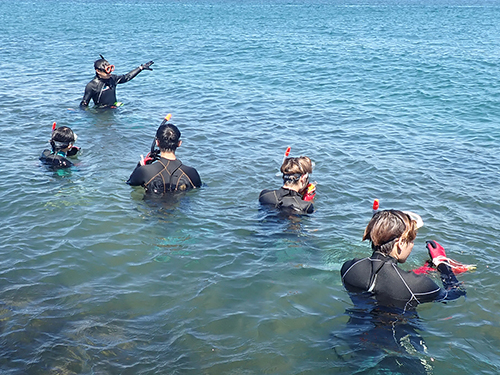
[(375, 206), (287, 152)]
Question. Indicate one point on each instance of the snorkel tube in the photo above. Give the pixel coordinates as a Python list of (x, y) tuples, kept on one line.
[(154, 153), (287, 152), (154, 150)]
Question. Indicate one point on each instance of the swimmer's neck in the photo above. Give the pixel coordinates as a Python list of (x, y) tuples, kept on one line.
[(169, 155), (292, 187)]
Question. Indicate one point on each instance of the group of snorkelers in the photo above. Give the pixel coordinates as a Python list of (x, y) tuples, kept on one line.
[(160, 172), (390, 232)]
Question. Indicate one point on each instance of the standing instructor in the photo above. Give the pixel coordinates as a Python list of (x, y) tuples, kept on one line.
[(102, 89)]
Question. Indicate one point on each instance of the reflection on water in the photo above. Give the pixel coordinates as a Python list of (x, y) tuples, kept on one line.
[(376, 340)]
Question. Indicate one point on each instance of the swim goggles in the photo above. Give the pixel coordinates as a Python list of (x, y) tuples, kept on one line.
[(108, 69), (291, 177), (64, 144)]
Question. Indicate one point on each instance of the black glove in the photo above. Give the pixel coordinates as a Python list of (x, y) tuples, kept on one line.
[(72, 151), (147, 66)]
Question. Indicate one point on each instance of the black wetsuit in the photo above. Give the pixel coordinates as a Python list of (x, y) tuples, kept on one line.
[(55, 160), (286, 199), (163, 176), (380, 276), (103, 91)]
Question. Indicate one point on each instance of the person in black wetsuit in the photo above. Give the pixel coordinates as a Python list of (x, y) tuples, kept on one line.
[(102, 89), (161, 172), (391, 234), (383, 323), (62, 141), (295, 195)]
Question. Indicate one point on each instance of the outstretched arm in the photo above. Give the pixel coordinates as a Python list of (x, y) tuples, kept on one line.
[(130, 75)]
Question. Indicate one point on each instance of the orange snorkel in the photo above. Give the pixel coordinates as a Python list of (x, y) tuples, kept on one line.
[(287, 152)]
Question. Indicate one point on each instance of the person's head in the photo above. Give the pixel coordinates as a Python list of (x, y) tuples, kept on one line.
[(168, 137), (103, 68), (62, 139), (392, 232), (296, 172)]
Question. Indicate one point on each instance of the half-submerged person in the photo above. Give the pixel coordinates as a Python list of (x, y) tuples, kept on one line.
[(61, 141), (297, 192), (383, 324), (102, 89), (392, 234), (161, 172)]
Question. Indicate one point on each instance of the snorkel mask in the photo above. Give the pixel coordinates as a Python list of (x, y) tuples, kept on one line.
[(108, 69), (63, 140), (104, 66)]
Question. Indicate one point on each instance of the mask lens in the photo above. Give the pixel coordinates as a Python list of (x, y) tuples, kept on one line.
[(108, 69)]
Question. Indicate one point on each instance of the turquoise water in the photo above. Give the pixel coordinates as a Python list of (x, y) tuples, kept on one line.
[(396, 100)]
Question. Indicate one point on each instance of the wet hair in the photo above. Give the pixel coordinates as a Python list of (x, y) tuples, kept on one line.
[(101, 64), (294, 168), (61, 138), (386, 227), (168, 136)]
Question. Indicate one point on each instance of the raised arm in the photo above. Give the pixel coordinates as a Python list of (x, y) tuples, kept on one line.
[(130, 75)]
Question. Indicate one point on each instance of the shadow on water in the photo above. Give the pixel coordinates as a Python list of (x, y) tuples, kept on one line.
[(380, 340), (282, 220), (164, 206), (172, 210), (285, 234), (61, 173)]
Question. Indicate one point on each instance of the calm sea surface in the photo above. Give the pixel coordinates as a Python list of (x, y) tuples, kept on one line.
[(395, 100)]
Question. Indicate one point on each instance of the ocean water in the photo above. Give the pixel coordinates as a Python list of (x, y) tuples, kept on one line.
[(393, 99)]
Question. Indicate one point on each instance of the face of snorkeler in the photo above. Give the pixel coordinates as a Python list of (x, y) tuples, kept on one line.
[(102, 74)]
